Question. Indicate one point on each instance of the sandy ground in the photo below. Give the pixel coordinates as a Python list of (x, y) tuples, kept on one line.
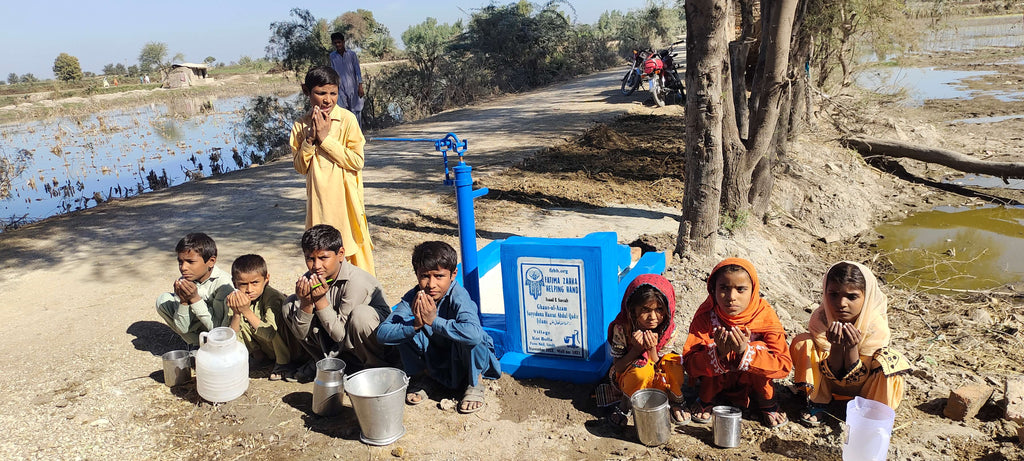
[(82, 376)]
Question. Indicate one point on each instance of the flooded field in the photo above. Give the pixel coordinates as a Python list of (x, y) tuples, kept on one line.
[(957, 248), (68, 164), (920, 84)]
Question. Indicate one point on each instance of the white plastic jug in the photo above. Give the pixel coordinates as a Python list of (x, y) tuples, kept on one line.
[(869, 427), (222, 366)]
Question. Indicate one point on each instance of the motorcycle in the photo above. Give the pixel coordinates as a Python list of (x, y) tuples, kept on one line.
[(664, 76), (635, 75)]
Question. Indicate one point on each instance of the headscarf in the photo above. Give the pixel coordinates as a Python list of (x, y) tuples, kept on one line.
[(759, 316), (626, 319), (873, 321)]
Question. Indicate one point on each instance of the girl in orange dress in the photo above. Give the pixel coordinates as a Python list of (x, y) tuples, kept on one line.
[(736, 345), (846, 353), (636, 337)]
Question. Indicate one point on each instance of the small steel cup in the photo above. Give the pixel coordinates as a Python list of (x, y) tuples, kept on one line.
[(177, 368), (726, 422)]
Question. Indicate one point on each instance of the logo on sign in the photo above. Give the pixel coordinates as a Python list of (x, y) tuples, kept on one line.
[(535, 282)]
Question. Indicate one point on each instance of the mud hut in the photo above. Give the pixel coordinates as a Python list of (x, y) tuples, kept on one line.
[(185, 75)]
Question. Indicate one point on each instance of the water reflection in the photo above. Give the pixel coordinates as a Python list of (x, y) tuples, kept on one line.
[(958, 248), (65, 164), (920, 84)]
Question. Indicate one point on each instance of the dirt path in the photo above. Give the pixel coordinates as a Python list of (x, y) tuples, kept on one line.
[(81, 363)]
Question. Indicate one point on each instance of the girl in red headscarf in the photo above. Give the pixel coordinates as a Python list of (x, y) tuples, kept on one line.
[(643, 327), (736, 345)]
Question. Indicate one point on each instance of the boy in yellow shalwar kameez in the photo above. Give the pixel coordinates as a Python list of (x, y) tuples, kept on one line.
[(847, 353), (328, 148)]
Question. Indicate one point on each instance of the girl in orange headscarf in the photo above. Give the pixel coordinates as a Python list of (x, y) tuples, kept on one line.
[(643, 327), (736, 345), (846, 353)]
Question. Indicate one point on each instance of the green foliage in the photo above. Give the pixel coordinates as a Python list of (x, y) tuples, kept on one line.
[(380, 44), (28, 78), (152, 56), (356, 25), (178, 58), (655, 26), (527, 45), (109, 69), (512, 47), (427, 45), (209, 60), (731, 223), (133, 71), (299, 44), (844, 29), (67, 68), (12, 78), (266, 126)]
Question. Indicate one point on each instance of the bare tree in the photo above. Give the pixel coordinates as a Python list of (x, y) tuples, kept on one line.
[(724, 172)]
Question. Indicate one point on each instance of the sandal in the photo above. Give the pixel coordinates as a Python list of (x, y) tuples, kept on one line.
[(698, 408), (812, 411), (679, 421), (473, 394), (773, 410)]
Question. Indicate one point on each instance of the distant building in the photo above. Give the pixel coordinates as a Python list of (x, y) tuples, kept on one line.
[(185, 74)]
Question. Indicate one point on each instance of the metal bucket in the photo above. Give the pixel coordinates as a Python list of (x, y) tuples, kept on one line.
[(726, 422), (378, 397), (651, 416), (329, 387)]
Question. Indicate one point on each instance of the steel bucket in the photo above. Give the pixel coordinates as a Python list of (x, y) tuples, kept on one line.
[(329, 387), (651, 416), (378, 397)]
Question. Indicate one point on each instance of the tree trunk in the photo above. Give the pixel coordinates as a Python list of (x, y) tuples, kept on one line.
[(738, 51), (955, 160), (706, 51), (761, 145)]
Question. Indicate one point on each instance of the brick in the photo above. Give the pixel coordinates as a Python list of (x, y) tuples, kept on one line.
[(965, 402), (1015, 399)]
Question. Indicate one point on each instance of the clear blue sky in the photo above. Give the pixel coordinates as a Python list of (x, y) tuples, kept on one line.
[(34, 32)]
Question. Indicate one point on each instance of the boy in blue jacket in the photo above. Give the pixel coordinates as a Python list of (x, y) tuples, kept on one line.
[(438, 333)]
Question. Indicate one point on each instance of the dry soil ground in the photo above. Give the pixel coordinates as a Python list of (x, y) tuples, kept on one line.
[(81, 371)]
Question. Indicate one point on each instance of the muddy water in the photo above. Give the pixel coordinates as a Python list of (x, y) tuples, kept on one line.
[(73, 163), (923, 83), (958, 248)]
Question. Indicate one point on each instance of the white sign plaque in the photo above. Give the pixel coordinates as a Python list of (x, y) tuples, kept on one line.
[(552, 306)]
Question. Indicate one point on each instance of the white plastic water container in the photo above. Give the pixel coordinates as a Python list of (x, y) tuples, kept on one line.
[(222, 366), (869, 428)]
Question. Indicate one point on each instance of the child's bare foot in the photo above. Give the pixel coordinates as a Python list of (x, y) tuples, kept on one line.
[(473, 399)]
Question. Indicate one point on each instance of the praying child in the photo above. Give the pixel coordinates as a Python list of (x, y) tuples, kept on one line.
[(256, 315), (736, 345), (328, 149), (847, 353), (643, 327), (197, 302)]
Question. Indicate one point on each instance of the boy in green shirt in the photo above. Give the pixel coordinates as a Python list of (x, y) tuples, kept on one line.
[(256, 315), (197, 301)]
